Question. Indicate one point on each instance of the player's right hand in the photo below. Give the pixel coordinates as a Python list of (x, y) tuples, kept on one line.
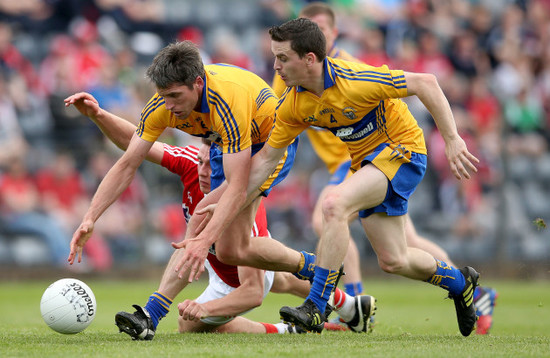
[(85, 103), (191, 310), (81, 235), (193, 257)]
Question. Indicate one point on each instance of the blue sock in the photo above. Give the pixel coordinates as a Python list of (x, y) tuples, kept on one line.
[(158, 307), (354, 288), (477, 292), (448, 277), (307, 266), (323, 284)]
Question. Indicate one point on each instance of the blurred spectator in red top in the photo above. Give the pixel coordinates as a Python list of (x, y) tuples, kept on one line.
[(63, 193), (483, 107), (62, 190), (372, 48), (431, 58), (227, 49)]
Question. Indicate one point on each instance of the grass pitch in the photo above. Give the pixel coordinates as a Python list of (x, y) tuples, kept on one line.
[(413, 320)]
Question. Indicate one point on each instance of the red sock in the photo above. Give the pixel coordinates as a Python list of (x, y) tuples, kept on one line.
[(270, 328), (339, 298)]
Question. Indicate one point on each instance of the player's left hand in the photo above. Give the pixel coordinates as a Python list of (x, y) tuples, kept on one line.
[(193, 257), (460, 159), (191, 310)]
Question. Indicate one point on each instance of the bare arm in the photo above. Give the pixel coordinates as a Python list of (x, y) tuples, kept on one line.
[(263, 165), (426, 88), (247, 296), (117, 129)]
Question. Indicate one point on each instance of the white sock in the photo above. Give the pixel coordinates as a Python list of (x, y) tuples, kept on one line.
[(346, 309), (281, 327)]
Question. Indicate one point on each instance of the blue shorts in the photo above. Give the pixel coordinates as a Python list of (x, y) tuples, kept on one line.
[(403, 179), (283, 168), (340, 174)]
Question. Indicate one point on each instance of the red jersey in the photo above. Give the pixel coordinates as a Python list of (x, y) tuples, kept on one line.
[(184, 162)]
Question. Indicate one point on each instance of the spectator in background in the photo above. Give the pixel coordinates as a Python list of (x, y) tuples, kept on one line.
[(12, 60), (195, 35), (431, 58), (22, 213), (11, 135), (524, 115), (62, 192), (227, 49), (372, 49), (110, 91)]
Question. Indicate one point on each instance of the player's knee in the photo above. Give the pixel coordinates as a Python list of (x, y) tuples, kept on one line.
[(229, 255), (333, 207), (392, 263)]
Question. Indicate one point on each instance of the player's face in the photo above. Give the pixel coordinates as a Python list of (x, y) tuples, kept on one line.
[(182, 100), (291, 68), (328, 29), (204, 168)]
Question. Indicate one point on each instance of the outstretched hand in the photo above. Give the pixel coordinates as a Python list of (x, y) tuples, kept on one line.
[(460, 159), (193, 257), (85, 103), (80, 237)]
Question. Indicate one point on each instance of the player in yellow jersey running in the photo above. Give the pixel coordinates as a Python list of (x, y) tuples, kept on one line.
[(334, 154), (360, 104), (328, 148)]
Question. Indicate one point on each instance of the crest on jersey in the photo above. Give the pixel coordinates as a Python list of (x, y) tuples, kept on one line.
[(349, 112)]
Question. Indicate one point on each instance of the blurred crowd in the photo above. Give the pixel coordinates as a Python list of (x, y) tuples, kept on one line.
[(491, 57)]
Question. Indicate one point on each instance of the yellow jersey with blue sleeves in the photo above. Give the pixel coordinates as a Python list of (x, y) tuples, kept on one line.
[(360, 105), (332, 151), (236, 110)]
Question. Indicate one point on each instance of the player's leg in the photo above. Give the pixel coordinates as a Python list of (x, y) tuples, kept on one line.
[(415, 240), (142, 324), (352, 279), (285, 282), (239, 248), (245, 325), (365, 188), (484, 297), (185, 326), (387, 236)]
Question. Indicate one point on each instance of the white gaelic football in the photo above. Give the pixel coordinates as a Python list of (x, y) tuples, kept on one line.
[(68, 306)]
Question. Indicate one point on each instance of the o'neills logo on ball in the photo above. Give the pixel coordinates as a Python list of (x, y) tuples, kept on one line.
[(82, 293)]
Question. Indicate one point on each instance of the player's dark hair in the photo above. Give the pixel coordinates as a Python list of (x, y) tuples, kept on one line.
[(304, 36), (318, 8), (178, 63)]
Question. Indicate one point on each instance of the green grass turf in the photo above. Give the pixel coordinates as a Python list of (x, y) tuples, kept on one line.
[(413, 320)]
